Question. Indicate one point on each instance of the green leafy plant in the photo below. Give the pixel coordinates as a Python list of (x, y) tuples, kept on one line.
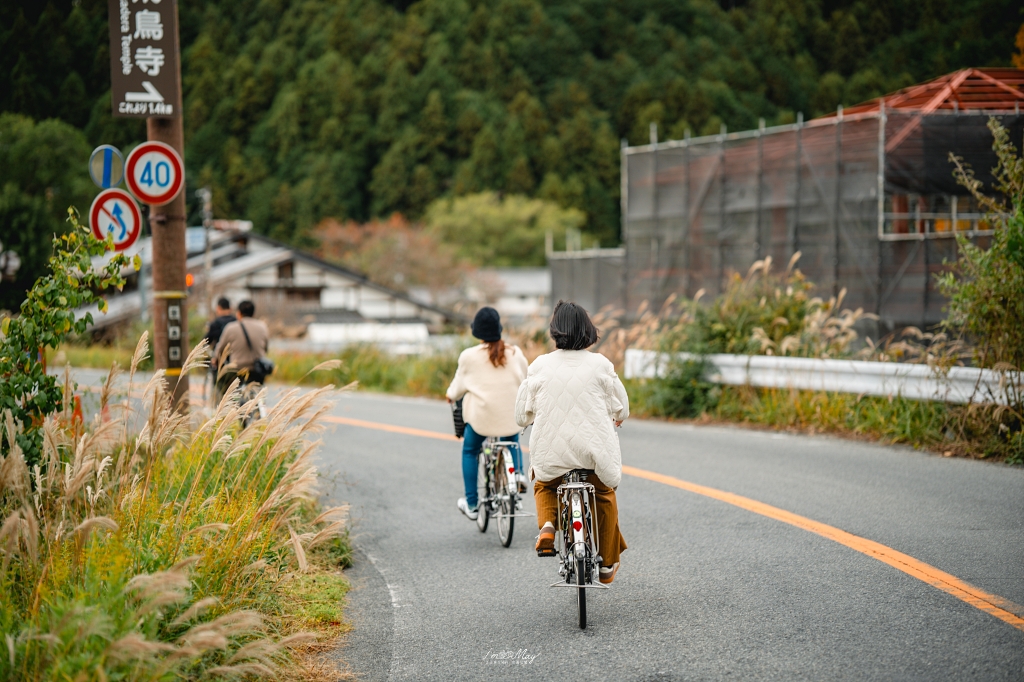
[(47, 317), (488, 229), (685, 391), (986, 300), (985, 289), (42, 172), (765, 314)]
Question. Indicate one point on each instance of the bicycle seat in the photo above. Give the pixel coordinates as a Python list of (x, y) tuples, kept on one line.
[(577, 475)]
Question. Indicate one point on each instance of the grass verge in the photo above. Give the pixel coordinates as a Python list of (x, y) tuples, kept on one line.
[(374, 369), (938, 427), (190, 550)]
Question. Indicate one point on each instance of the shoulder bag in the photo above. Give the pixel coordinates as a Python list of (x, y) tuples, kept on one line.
[(263, 367)]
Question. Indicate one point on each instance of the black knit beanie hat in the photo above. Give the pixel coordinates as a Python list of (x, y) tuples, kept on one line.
[(487, 324)]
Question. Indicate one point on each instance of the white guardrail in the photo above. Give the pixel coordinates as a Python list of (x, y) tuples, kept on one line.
[(919, 382)]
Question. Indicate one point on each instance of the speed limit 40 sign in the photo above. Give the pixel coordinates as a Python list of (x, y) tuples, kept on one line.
[(154, 173)]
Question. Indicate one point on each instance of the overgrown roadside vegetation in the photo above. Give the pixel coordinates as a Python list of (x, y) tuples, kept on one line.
[(177, 552), (148, 544)]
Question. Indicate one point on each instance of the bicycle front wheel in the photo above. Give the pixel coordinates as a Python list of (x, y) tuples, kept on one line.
[(581, 592), (506, 519), (483, 493)]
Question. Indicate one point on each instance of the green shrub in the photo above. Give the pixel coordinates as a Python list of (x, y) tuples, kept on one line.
[(986, 301), (46, 319), (765, 314), (500, 231), (373, 368), (684, 392)]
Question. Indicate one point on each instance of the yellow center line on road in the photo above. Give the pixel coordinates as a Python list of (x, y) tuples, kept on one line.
[(950, 584), (991, 604), (409, 431)]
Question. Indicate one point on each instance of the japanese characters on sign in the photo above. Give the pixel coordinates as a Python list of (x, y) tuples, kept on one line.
[(144, 58)]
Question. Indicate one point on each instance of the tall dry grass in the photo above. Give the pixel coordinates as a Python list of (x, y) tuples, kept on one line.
[(163, 552)]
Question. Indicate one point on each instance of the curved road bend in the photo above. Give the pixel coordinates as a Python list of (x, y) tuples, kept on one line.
[(708, 589)]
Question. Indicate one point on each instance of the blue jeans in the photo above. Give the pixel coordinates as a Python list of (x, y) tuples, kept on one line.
[(472, 442)]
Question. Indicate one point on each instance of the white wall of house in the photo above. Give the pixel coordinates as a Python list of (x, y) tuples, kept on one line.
[(367, 332), (340, 297)]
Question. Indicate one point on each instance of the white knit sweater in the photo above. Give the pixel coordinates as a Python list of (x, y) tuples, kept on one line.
[(489, 392), (573, 398)]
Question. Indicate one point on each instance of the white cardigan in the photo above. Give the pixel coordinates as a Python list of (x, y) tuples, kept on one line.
[(573, 398), (490, 392)]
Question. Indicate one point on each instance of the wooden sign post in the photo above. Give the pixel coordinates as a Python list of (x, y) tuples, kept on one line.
[(145, 75)]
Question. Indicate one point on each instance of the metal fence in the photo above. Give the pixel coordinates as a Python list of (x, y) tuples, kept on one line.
[(591, 277), (869, 201)]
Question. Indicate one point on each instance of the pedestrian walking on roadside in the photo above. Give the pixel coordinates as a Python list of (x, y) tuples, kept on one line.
[(222, 317), (244, 341), (575, 400), (487, 380)]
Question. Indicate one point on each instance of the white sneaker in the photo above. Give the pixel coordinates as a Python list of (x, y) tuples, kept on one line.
[(463, 506), (523, 482)]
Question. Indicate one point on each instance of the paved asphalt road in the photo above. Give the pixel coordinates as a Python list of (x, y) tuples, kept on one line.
[(707, 590)]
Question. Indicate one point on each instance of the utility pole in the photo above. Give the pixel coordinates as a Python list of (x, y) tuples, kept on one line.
[(206, 196), (145, 80), (169, 255)]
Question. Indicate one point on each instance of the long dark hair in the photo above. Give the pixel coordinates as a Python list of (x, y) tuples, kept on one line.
[(571, 328), (496, 352)]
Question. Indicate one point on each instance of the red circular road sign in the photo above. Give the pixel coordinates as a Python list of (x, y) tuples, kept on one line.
[(154, 173), (114, 212)]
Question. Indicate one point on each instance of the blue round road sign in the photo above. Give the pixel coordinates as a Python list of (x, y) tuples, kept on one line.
[(106, 166)]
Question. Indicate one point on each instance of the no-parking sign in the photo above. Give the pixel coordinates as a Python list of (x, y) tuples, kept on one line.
[(154, 173), (114, 212)]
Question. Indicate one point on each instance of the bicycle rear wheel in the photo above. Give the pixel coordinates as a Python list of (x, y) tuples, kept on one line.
[(254, 412), (581, 592)]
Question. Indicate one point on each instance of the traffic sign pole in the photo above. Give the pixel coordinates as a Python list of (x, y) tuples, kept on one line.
[(145, 82)]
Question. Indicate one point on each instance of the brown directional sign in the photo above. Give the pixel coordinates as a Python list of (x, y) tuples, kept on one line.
[(144, 77)]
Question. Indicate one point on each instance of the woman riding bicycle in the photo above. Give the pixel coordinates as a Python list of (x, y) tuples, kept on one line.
[(574, 399), (486, 381)]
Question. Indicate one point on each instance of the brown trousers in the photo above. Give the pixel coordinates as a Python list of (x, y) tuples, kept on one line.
[(610, 540)]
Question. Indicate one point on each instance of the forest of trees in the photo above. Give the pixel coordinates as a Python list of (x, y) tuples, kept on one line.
[(302, 110)]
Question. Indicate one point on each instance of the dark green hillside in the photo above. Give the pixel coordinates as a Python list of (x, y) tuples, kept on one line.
[(300, 109)]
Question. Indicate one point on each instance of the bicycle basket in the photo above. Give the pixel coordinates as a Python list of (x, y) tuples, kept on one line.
[(460, 425)]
